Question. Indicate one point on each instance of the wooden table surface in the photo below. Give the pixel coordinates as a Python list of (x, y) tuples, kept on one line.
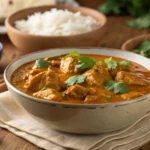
[(117, 33)]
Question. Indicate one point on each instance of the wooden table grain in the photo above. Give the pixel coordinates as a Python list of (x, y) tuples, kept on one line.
[(117, 33)]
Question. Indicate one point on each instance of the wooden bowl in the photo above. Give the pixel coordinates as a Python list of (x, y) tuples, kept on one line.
[(132, 43), (28, 42)]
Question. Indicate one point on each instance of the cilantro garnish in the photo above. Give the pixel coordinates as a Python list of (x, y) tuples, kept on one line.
[(99, 63), (73, 54), (143, 49), (41, 63), (64, 95), (120, 88), (141, 22), (85, 63), (111, 63), (108, 97), (116, 87), (136, 8), (125, 63), (109, 85), (74, 80)]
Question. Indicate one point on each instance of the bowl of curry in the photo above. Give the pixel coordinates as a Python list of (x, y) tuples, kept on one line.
[(84, 91)]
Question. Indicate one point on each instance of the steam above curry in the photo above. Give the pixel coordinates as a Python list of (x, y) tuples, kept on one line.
[(82, 79)]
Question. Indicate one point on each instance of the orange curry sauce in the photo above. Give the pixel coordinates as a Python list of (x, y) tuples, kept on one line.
[(18, 80)]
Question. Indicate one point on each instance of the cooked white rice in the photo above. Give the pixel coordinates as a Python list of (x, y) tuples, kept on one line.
[(57, 22)]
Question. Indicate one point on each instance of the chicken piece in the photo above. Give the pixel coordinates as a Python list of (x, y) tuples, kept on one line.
[(131, 78), (49, 94), (33, 72), (47, 78), (34, 81), (55, 62), (77, 91), (113, 72), (97, 76), (67, 65), (90, 99), (131, 95)]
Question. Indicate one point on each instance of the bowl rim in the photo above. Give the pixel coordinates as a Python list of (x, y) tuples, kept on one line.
[(68, 105), (142, 36), (1, 50), (8, 24)]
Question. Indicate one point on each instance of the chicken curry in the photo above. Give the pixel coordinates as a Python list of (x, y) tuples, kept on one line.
[(82, 79)]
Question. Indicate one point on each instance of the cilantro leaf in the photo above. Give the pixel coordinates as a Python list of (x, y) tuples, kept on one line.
[(111, 7), (108, 97), (109, 85), (125, 63), (41, 63), (141, 22), (116, 87), (111, 64), (138, 8), (120, 88), (73, 54), (64, 95), (144, 45), (143, 49), (99, 63), (85, 63), (74, 80), (137, 51)]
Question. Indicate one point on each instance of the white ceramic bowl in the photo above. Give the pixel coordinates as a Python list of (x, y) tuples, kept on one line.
[(79, 118)]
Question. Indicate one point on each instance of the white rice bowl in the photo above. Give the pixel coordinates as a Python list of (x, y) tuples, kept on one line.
[(57, 23)]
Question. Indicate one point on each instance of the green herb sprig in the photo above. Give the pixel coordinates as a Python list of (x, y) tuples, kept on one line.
[(112, 64), (85, 63), (75, 80), (137, 8), (143, 49), (116, 87), (41, 63), (73, 54)]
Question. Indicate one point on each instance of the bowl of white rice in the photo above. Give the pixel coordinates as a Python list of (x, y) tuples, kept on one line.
[(56, 26)]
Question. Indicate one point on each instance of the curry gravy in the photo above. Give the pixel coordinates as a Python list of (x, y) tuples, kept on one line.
[(19, 81)]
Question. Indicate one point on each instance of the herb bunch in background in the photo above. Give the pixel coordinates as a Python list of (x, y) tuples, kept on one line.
[(137, 8)]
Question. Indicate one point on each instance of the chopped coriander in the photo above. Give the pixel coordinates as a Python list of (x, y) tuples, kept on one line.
[(108, 97), (144, 45), (41, 63), (137, 51), (85, 63), (64, 95), (44, 88), (137, 8), (143, 49), (116, 87), (141, 22), (109, 85), (125, 63), (120, 88), (111, 64), (99, 63), (74, 80), (73, 54)]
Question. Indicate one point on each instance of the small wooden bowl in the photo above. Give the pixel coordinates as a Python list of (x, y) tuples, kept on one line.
[(132, 43), (28, 42)]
